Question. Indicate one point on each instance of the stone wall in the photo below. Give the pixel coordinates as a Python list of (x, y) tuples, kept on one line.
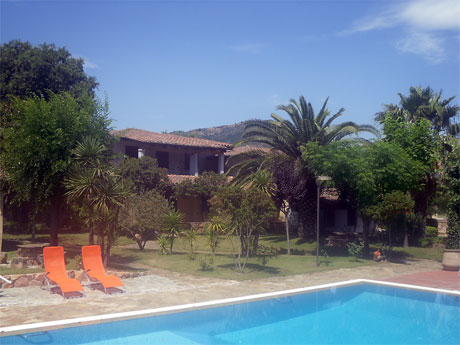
[(37, 279)]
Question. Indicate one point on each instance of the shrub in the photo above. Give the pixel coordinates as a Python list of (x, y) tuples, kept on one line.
[(163, 242), (142, 216), (264, 254), (431, 237), (355, 249), (207, 263)]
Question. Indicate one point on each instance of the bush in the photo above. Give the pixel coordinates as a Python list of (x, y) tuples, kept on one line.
[(207, 263), (355, 249), (453, 232), (430, 238), (264, 254), (142, 216)]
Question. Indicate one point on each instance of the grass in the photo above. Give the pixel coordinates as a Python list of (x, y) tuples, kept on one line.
[(223, 264), (127, 257)]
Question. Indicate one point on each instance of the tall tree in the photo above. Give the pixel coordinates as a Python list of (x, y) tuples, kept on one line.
[(27, 70), (286, 137), (424, 103), (35, 151), (364, 174)]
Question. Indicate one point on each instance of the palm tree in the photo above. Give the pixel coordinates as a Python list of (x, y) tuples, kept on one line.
[(285, 139), (173, 224), (97, 190), (424, 103), (427, 104), (81, 184)]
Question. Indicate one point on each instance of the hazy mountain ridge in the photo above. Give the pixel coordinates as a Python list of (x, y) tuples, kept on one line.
[(226, 133)]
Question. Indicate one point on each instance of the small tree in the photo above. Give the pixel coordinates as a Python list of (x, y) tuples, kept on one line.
[(247, 211), (172, 225), (143, 174), (142, 216), (191, 236), (393, 212), (212, 230)]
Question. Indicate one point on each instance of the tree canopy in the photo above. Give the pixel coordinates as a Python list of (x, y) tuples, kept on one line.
[(27, 70), (36, 149), (144, 174), (285, 139)]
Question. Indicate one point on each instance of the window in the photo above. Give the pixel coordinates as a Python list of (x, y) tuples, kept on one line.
[(131, 151), (163, 159), (187, 162)]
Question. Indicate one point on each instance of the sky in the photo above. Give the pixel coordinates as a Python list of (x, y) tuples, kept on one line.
[(182, 65)]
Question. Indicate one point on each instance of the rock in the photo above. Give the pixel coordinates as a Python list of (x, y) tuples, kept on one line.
[(35, 283), (40, 277), (7, 286), (72, 274), (80, 276), (17, 262), (3, 258), (21, 282)]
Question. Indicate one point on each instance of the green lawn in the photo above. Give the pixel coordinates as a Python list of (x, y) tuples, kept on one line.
[(130, 258)]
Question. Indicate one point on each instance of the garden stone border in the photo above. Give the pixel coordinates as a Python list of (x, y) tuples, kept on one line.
[(37, 279)]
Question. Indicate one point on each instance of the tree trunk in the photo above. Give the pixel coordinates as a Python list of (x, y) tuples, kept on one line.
[(54, 228), (100, 239), (107, 253), (406, 237), (255, 244), (91, 227), (366, 225), (307, 210), (287, 233)]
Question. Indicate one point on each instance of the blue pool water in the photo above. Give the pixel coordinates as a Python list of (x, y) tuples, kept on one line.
[(359, 314)]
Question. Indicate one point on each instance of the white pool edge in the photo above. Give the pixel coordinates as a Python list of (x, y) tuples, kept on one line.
[(89, 320)]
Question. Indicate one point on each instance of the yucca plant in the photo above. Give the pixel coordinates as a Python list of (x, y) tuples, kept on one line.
[(173, 224)]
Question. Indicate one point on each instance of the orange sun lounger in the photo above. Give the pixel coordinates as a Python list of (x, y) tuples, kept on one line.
[(56, 273), (94, 270)]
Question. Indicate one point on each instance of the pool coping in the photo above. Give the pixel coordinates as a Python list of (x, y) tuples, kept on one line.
[(97, 319)]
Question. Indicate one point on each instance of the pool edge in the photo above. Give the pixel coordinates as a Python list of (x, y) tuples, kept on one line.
[(97, 319)]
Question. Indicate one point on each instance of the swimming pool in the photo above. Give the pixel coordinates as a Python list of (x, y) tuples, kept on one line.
[(363, 313)]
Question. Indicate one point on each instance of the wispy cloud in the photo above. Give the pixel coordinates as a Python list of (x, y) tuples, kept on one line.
[(88, 63), (250, 48), (429, 46), (422, 22)]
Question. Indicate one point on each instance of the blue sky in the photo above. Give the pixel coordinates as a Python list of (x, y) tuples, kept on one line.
[(171, 65)]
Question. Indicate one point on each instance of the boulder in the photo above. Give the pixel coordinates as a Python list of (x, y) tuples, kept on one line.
[(21, 282), (17, 262), (3, 258), (35, 283), (40, 277)]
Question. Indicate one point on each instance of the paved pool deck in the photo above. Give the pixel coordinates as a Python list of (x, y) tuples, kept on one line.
[(163, 288)]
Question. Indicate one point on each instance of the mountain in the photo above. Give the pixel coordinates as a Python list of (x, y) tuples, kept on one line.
[(227, 133)]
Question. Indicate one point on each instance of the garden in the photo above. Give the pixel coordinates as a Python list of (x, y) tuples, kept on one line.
[(60, 185)]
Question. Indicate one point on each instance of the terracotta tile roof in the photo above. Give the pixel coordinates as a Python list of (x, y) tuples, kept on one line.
[(243, 149), (176, 179), (169, 139)]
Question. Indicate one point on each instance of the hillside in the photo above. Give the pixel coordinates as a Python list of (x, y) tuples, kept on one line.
[(227, 133)]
